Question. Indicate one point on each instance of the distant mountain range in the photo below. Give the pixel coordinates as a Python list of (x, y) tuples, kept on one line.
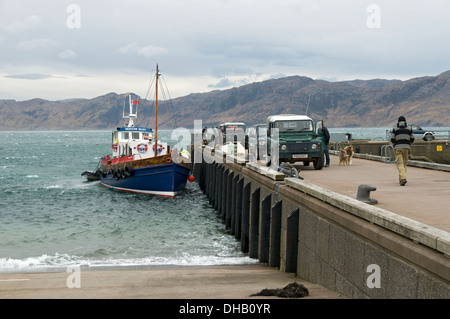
[(359, 103)]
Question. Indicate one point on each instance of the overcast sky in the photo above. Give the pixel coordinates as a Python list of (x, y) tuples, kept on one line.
[(58, 49)]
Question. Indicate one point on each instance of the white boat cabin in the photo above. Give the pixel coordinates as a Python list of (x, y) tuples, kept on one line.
[(135, 143), (138, 142)]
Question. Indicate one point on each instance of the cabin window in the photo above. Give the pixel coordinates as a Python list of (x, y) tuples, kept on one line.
[(125, 135), (135, 136), (114, 138)]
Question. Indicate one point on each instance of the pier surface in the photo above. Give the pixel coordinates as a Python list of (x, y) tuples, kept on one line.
[(424, 198)]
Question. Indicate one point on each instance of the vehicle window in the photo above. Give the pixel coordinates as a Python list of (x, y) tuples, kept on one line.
[(294, 126), (235, 127)]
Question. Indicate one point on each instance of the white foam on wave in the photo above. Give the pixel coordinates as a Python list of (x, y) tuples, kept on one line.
[(52, 186), (32, 263), (32, 176), (64, 260)]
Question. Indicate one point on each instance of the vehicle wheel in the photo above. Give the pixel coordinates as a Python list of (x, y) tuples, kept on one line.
[(318, 163)]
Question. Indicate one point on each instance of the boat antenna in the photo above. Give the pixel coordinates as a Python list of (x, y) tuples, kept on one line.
[(307, 106)]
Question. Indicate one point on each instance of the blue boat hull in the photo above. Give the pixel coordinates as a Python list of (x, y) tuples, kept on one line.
[(164, 180)]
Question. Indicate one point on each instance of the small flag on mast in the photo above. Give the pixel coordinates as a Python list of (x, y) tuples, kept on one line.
[(135, 101)]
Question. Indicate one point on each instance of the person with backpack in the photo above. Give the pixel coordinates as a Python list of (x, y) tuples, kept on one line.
[(402, 137)]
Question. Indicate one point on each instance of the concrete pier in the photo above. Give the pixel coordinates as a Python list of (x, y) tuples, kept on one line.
[(165, 282), (316, 228)]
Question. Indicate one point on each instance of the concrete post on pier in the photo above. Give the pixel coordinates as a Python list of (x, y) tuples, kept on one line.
[(275, 235), (245, 218), (212, 189), (210, 186), (292, 241), (234, 201), (218, 171), (223, 208), (223, 186), (264, 229), (228, 199), (254, 224), (238, 215)]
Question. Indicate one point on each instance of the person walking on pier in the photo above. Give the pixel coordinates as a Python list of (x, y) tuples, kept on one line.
[(402, 137)]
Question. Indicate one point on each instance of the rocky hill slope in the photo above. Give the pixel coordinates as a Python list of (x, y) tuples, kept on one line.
[(358, 103)]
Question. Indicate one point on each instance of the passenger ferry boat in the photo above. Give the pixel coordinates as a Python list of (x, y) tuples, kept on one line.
[(139, 162)]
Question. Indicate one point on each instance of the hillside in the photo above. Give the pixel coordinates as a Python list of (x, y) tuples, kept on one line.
[(358, 103)]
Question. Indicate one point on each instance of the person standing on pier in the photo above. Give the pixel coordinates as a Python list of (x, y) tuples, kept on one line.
[(326, 149), (402, 137), (324, 134)]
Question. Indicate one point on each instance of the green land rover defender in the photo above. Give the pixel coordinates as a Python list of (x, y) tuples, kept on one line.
[(298, 140)]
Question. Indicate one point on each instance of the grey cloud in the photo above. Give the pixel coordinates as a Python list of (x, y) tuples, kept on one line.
[(220, 72), (35, 44), (26, 24), (148, 51), (223, 83), (32, 76), (226, 83), (67, 54)]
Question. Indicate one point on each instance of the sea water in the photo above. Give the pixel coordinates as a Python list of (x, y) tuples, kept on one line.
[(51, 217)]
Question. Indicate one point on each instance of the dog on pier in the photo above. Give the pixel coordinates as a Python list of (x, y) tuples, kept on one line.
[(346, 156)]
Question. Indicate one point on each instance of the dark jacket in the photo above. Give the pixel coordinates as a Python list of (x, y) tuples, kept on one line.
[(326, 135), (402, 135)]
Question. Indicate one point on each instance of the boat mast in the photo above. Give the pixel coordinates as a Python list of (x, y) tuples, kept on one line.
[(156, 111)]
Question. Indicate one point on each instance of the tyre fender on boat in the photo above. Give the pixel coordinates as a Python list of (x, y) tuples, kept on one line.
[(127, 171), (123, 173), (115, 174)]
